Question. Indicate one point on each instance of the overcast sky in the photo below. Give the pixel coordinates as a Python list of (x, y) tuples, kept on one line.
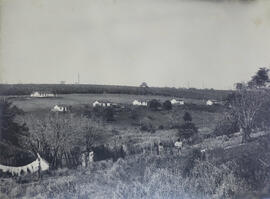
[(176, 43)]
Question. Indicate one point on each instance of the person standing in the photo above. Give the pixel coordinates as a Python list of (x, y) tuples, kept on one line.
[(178, 145), (91, 157), (160, 148), (83, 160)]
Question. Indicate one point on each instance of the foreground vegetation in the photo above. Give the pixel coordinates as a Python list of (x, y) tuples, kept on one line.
[(225, 155), (147, 175)]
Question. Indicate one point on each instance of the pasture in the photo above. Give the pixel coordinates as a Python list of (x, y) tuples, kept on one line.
[(29, 104), (126, 124)]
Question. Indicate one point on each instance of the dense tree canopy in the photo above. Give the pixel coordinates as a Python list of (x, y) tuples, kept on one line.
[(10, 130), (187, 117), (260, 78)]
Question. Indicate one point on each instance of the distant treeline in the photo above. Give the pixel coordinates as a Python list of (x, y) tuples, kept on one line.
[(27, 89)]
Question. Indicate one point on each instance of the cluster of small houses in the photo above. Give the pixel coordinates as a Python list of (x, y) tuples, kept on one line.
[(106, 103), (39, 94), (136, 102), (145, 103)]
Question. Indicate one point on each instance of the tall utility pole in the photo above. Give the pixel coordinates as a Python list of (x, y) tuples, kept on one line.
[(78, 78)]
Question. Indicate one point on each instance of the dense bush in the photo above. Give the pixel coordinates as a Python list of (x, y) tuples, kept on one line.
[(154, 105), (187, 117), (167, 105), (262, 119), (103, 153), (105, 113), (10, 131), (187, 130), (134, 115), (137, 177), (109, 114), (146, 125), (226, 127), (202, 107)]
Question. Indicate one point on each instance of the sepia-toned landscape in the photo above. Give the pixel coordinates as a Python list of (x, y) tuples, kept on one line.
[(134, 151), (135, 99)]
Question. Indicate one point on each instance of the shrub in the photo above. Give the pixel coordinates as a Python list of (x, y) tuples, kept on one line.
[(226, 127), (187, 130), (249, 168), (146, 125), (109, 114), (167, 105), (134, 115), (154, 105), (262, 118), (10, 131), (190, 163), (187, 117)]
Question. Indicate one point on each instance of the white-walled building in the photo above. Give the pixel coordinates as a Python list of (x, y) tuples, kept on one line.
[(209, 102), (212, 102), (139, 103), (41, 94), (60, 108), (177, 102), (102, 103)]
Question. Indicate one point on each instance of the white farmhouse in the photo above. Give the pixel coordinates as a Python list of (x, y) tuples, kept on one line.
[(177, 102), (101, 103), (144, 103), (136, 103), (59, 108), (139, 103), (41, 94), (209, 102), (35, 94), (96, 103)]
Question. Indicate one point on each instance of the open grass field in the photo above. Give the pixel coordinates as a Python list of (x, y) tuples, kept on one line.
[(204, 120), (29, 104), (126, 128)]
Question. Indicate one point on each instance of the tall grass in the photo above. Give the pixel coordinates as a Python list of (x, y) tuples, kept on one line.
[(137, 177)]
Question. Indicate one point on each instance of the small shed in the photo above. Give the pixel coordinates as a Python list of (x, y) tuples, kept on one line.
[(213, 102), (60, 108), (177, 102), (102, 103), (139, 103), (209, 102)]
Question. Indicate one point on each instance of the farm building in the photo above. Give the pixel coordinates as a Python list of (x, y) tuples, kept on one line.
[(42, 94), (209, 102), (102, 103), (139, 103), (212, 102), (177, 102), (60, 108)]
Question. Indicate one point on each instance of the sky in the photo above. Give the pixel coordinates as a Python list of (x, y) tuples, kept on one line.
[(172, 43)]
